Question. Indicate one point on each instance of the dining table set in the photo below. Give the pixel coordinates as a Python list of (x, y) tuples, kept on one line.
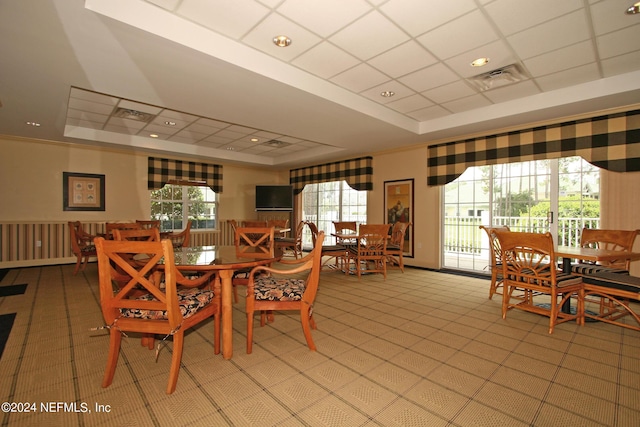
[(595, 274)]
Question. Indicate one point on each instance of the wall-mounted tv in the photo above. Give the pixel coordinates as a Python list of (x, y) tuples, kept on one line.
[(274, 198)]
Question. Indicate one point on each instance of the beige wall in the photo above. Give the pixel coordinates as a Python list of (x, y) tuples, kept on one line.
[(31, 190), (31, 177)]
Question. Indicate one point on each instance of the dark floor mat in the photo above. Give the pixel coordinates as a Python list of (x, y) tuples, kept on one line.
[(6, 291), (6, 323)]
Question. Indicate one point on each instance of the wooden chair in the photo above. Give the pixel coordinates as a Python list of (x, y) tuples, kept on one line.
[(251, 242), (153, 223), (496, 258), (613, 240), (81, 245), (370, 254), (110, 226), (328, 252), (181, 239), (529, 265), (169, 312), (278, 223), (345, 226), (283, 289), (293, 244), (254, 223), (395, 246), (142, 234)]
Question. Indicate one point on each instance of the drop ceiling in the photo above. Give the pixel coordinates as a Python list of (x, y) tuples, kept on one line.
[(203, 79)]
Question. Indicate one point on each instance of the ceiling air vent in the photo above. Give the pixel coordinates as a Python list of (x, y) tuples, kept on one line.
[(276, 144), (139, 116), (497, 78)]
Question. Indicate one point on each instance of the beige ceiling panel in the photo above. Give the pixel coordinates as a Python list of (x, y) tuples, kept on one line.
[(573, 76), (94, 107), (552, 35), (619, 42), (369, 36), (325, 60), (514, 16), (410, 103), (465, 104), (232, 18), (396, 87), (419, 16), (261, 38), (324, 17), (561, 59), (621, 64), (513, 91), (429, 113), (404, 59), (428, 78), (467, 32), (360, 78), (608, 16), (449, 92)]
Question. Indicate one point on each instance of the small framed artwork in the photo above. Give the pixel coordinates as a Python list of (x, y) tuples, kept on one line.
[(398, 207), (82, 191)]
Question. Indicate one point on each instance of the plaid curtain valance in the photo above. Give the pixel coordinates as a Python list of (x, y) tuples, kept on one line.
[(610, 142), (357, 172), (162, 171)]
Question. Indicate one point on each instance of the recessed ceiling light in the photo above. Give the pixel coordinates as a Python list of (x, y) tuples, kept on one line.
[(230, 148), (170, 123), (153, 135), (635, 8), (34, 124), (387, 93), (281, 41), (480, 62), (254, 140)]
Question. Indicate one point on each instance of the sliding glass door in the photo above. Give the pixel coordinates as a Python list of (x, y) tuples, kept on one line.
[(560, 196)]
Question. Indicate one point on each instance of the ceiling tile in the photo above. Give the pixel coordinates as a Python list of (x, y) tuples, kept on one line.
[(498, 52), (94, 107), (513, 91), (465, 104), (369, 36), (561, 59), (325, 60), (621, 64), (449, 92), (166, 4), (609, 16), (85, 116), (410, 103), (261, 38), (428, 78), (465, 33), (514, 16), (619, 42), (419, 16), (560, 32), (360, 78), (324, 17), (403, 59), (399, 89), (233, 18), (573, 76), (429, 113)]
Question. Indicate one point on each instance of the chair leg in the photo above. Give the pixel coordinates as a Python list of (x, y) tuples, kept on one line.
[(77, 265), (176, 358), (494, 280), (216, 333), (115, 337), (306, 320), (249, 331)]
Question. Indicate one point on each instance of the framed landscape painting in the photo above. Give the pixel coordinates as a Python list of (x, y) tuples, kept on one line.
[(398, 207)]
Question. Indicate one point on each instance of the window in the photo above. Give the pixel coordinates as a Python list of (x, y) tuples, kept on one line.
[(332, 201), (174, 205), (560, 196)]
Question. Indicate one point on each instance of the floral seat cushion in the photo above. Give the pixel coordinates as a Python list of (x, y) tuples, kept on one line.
[(270, 288), (88, 248), (190, 300)]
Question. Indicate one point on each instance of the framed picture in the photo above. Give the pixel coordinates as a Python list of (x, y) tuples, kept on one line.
[(398, 207), (82, 192)]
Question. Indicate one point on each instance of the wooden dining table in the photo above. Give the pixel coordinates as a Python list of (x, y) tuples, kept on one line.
[(567, 253), (224, 260)]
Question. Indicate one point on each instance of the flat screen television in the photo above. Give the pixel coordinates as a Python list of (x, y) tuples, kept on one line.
[(274, 198)]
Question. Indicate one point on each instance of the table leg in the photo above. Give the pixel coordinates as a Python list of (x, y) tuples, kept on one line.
[(566, 268), (227, 313)]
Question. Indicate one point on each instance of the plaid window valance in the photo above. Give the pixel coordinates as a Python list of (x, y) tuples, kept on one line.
[(162, 171), (357, 172), (610, 142)]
